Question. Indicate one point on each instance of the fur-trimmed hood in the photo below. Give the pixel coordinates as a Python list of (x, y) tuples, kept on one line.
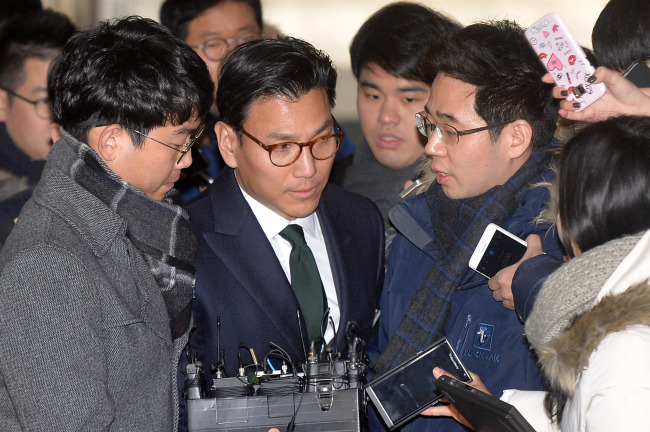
[(564, 357)]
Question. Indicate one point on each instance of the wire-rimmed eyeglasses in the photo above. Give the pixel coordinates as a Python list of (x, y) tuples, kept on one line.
[(183, 148), (447, 134), (286, 153), (216, 48), (41, 106)]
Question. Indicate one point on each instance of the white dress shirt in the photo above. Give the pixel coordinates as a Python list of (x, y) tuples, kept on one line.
[(272, 223)]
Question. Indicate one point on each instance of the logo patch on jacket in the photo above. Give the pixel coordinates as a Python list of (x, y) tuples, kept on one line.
[(483, 336)]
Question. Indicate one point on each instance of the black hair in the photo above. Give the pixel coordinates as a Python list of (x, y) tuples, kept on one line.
[(130, 71), (396, 38), (603, 188), (9, 8), (621, 35), (284, 67), (176, 14), (496, 58), (39, 34), (589, 53)]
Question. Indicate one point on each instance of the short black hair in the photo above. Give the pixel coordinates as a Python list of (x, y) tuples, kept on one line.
[(496, 58), (621, 35), (176, 14), (284, 67), (396, 38), (39, 34), (132, 72), (603, 188)]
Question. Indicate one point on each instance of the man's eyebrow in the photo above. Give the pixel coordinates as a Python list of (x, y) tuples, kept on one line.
[(287, 136), (216, 33), (209, 34), (449, 117), (405, 89), (184, 130), (441, 115), (411, 89), (369, 84)]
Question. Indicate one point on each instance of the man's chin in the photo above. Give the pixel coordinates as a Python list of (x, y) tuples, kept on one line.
[(302, 210)]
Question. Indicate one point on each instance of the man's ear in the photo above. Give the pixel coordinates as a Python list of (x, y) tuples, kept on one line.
[(518, 136), (55, 132), (229, 145), (108, 141), (4, 105)]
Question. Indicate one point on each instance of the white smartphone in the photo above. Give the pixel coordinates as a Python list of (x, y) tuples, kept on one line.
[(497, 249), (563, 57), (417, 187)]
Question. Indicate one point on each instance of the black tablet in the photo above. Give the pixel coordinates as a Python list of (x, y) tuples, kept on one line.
[(405, 391), (483, 411)]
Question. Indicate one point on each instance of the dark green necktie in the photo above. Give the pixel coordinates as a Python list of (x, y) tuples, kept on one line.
[(305, 280)]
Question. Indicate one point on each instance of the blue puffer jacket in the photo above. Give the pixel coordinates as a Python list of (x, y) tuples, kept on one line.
[(488, 337)]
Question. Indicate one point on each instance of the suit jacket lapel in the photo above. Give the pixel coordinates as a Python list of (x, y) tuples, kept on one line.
[(239, 242)]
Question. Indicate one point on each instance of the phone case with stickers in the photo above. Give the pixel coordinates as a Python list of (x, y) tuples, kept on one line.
[(564, 59)]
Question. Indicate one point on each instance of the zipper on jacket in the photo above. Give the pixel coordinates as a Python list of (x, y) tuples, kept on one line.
[(463, 335)]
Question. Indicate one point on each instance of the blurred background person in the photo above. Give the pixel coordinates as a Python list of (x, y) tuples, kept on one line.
[(212, 28), (28, 44)]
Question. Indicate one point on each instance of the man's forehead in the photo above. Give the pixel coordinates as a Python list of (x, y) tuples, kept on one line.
[(34, 72), (449, 93), (292, 116), (461, 88), (223, 17), (370, 74)]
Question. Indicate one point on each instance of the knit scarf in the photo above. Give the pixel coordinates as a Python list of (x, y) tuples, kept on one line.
[(457, 228), (556, 306), (159, 230)]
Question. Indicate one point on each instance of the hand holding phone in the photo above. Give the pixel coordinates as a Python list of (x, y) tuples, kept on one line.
[(621, 98), (403, 392), (563, 57), (496, 250), (448, 410), (481, 410)]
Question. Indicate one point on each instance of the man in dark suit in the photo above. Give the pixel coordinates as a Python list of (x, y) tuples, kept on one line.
[(278, 137)]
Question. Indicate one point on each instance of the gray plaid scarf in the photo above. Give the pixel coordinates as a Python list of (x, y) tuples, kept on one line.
[(160, 230), (457, 228)]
